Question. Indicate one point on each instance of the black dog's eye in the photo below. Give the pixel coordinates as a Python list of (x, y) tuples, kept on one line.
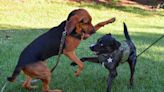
[(101, 44), (99, 41)]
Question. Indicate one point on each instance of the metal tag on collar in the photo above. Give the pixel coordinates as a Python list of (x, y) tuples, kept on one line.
[(109, 60), (64, 33)]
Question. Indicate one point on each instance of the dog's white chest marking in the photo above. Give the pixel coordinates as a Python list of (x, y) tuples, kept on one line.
[(103, 64), (109, 60)]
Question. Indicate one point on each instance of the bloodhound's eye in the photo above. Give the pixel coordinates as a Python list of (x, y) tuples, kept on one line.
[(84, 21), (83, 32)]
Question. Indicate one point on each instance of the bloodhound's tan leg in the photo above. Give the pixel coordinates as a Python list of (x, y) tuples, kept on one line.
[(27, 83), (40, 71), (69, 51), (72, 56), (101, 24)]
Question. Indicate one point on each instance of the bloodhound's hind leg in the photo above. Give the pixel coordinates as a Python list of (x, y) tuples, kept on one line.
[(36, 80), (27, 83), (45, 87), (40, 71)]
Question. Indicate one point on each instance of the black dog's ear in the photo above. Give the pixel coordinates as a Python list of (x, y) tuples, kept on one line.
[(109, 34), (116, 45)]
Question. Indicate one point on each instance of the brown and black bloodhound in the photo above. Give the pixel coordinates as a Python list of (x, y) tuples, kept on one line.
[(78, 27)]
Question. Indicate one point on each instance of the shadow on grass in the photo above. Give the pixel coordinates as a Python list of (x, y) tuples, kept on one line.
[(150, 26), (7, 31), (26, 35)]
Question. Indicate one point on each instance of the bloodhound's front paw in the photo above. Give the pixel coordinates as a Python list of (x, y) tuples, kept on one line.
[(56, 90), (79, 69), (113, 19), (77, 73)]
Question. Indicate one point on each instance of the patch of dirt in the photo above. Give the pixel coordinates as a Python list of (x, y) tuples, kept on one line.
[(143, 4), (91, 1)]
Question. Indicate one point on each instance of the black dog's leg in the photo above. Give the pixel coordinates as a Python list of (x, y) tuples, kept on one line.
[(132, 62), (112, 75), (89, 59)]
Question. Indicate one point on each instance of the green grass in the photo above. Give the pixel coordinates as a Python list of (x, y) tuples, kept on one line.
[(22, 22)]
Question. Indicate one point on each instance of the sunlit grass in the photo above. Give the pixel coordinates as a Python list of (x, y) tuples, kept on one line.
[(21, 22)]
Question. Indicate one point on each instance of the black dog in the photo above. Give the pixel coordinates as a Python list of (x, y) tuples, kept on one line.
[(111, 53)]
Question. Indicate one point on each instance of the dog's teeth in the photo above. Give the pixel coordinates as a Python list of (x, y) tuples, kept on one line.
[(103, 64), (92, 45), (95, 52)]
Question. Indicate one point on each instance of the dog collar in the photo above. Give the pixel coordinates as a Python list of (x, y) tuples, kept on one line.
[(108, 58)]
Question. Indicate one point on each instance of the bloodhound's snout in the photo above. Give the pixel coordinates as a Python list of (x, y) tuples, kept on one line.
[(93, 31)]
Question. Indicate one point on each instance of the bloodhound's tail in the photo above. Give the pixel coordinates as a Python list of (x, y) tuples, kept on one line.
[(15, 74)]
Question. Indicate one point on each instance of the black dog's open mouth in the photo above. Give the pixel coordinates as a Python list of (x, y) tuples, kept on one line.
[(94, 49), (96, 52)]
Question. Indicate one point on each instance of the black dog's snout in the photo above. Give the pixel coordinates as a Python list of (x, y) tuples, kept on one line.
[(92, 47)]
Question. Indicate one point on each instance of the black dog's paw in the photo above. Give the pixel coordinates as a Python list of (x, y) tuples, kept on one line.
[(73, 64), (130, 86), (83, 59)]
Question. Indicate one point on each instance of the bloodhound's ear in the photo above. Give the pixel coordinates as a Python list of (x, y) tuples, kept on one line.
[(72, 22)]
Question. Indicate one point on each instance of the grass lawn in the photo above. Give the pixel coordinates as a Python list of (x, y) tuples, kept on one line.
[(22, 22)]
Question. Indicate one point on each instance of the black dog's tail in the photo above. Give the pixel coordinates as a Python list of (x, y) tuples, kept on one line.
[(15, 74), (126, 32)]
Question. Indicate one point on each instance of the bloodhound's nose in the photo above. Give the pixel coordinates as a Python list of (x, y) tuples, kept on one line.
[(93, 31)]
